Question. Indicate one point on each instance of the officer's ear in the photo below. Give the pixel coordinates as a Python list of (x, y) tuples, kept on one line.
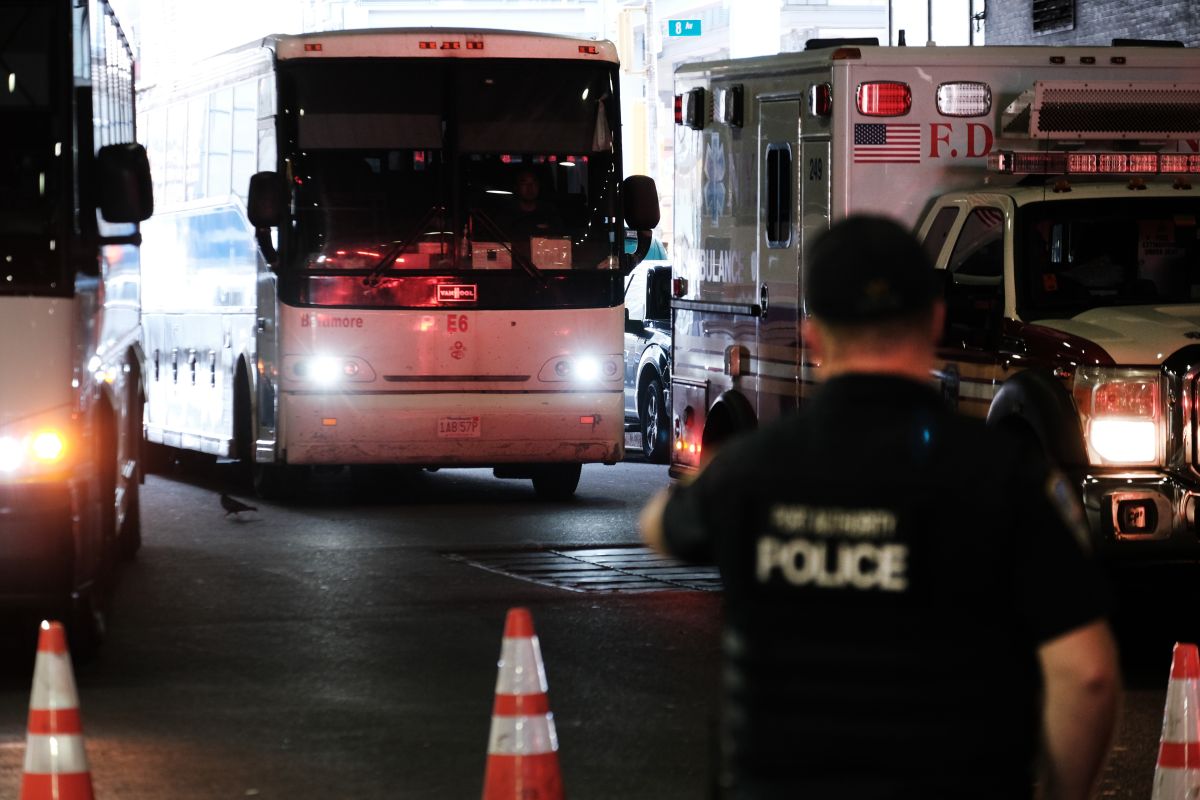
[(812, 339)]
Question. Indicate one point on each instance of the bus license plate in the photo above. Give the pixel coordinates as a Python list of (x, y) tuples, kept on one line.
[(458, 427)]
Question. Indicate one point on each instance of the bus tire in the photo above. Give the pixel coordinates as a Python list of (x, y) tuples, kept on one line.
[(556, 481), (129, 535), (279, 481)]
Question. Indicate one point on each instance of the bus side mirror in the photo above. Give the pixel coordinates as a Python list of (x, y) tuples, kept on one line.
[(267, 208), (267, 202), (639, 199), (126, 193)]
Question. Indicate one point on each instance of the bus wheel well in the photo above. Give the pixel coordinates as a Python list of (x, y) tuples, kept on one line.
[(729, 416)]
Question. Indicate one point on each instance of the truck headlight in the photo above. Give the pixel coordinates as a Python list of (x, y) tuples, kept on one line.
[(1121, 414), (32, 452)]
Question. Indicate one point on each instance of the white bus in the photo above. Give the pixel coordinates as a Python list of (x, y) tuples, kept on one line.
[(73, 185), (345, 269)]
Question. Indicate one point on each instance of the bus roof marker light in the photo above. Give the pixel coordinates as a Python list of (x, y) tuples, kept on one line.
[(313, 47), (589, 49), (884, 99), (964, 99)]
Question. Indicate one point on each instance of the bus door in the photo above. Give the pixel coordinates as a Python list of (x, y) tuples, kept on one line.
[(778, 262)]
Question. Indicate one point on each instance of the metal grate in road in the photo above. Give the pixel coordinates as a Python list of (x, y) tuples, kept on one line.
[(596, 569)]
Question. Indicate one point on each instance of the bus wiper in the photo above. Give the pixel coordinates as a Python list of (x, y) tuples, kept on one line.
[(381, 266), (501, 238)]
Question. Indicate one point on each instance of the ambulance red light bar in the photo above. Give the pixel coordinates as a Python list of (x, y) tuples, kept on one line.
[(1012, 162), (884, 99)]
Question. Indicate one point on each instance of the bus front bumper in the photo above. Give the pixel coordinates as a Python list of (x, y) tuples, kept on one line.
[(452, 429)]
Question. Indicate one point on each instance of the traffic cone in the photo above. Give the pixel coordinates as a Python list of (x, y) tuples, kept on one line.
[(1177, 774), (55, 762), (522, 746)]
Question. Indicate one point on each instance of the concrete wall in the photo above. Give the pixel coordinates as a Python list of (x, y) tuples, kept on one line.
[(1098, 22)]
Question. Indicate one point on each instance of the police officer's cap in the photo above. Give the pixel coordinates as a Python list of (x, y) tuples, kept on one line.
[(866, 269)]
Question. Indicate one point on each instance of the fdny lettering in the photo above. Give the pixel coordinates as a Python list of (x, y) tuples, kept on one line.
[(978, 140), (834, 548), (329, 321)]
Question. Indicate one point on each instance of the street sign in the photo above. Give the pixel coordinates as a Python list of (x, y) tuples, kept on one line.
[(684, 27)]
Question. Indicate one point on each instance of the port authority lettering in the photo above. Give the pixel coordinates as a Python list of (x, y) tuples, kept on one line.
[(329, 321), (833, 548)]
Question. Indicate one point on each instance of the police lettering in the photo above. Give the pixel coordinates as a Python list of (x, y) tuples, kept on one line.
[(833, 564)]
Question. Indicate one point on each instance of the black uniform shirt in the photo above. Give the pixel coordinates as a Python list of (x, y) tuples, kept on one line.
[(890, 568)]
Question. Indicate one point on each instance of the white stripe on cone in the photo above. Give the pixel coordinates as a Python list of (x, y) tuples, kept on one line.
[(521, 669), (522, 736), (53, 682), (60, 754)]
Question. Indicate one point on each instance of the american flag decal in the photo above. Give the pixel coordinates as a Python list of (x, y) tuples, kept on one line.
[(887, 143)]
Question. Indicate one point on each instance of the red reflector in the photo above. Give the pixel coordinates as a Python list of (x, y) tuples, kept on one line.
[(884, 99), (451, 45), (312, 48), (678, 109), (587, 420), (474, 45), (589, 49)]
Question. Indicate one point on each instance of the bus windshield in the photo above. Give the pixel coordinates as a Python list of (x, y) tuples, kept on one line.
[(413, 166), (1084, 254), (30, 167)]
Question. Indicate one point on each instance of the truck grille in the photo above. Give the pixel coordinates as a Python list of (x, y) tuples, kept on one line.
[(1116, 110)]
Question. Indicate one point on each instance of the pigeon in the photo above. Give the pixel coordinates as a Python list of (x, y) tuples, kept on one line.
[(233, 506)]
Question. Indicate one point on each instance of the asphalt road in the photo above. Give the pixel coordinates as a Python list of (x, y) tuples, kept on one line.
[(345, 646)]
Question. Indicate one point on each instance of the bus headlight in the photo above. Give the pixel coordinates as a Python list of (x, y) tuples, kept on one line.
[(582, 369), (328, 370), (1120, 411)]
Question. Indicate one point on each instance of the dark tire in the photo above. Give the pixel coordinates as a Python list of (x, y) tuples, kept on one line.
[(129, 538), (655, 421), (556, 481), (157, 459), (129, 534)]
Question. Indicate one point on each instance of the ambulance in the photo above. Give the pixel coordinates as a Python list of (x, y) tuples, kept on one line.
[(1057, 190)]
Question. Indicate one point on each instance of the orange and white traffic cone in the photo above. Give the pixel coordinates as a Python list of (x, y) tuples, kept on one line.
[(522, 746), (56, 765), (1177, 775)]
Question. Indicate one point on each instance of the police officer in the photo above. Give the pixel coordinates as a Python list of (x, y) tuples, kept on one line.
[(909, 607)]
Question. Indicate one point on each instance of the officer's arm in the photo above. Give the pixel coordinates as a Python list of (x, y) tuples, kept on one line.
[(1082, 687), (651, 523)]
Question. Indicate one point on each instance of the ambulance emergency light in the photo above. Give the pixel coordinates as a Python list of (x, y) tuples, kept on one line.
[(1011, 162)]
